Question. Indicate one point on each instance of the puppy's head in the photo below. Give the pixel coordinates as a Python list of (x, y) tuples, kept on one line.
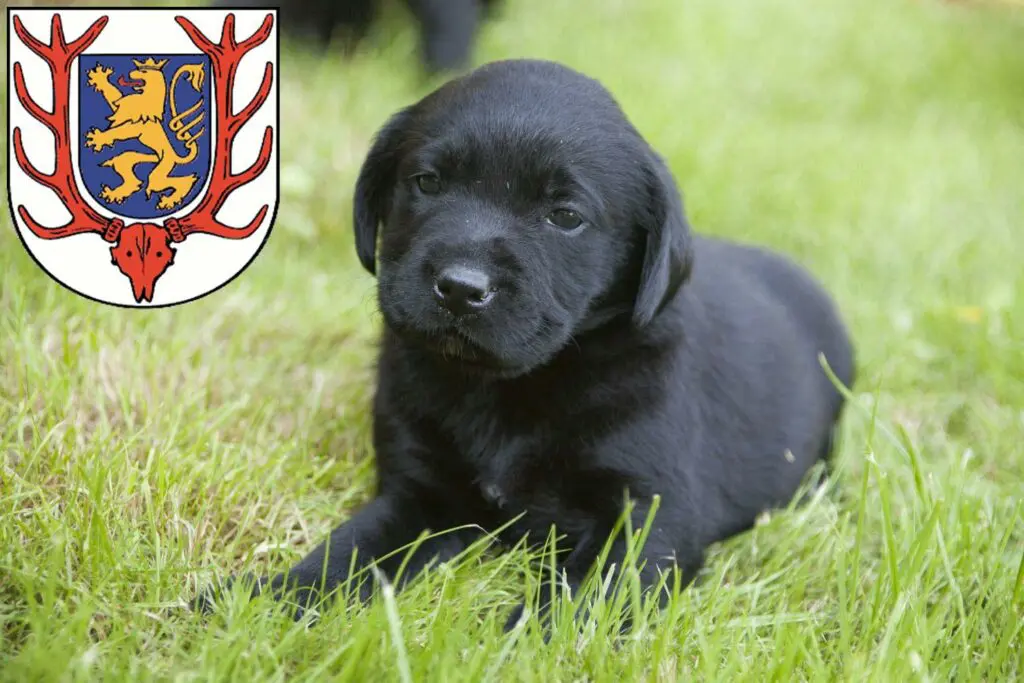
[(517, 208)]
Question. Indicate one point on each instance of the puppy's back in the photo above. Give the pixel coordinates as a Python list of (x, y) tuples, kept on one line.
[(811, 307), (753, 324), (808, 305)]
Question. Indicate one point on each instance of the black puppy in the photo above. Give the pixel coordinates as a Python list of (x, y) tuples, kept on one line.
[(448, 28), (555, 336)]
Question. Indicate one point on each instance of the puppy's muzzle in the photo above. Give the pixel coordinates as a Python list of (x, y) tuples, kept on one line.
[(463, 290)]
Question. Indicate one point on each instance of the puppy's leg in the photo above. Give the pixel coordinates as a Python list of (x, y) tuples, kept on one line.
[(654, 559), (376, 534), (383, 526), (660, 554)]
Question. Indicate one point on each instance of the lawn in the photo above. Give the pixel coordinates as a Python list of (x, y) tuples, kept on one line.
[(881, 143)]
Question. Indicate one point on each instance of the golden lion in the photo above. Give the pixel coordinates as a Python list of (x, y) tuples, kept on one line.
[(139, 116)]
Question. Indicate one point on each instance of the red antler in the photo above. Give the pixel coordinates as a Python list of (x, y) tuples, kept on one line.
[(225, 57), (59, 55)]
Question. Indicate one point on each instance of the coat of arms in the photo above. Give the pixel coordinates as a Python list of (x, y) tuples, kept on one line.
[(131, 130)]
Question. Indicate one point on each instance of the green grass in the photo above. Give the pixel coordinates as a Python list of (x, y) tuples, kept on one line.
[(881, 143)]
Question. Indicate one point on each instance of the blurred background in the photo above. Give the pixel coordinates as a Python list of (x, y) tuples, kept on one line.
[(877, 141)]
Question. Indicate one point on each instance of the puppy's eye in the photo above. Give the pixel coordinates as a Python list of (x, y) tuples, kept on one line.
[(428, 183), (565, 219)]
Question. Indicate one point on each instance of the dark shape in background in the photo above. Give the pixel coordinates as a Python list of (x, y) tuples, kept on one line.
[(448, 28)]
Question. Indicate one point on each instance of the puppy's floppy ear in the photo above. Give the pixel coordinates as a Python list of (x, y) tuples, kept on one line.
[(668, 254), (374, 186)]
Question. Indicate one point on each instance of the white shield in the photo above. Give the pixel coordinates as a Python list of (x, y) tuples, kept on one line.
[(143, 162)]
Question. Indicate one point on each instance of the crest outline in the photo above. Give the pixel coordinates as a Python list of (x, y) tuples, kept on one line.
[(199, 214)]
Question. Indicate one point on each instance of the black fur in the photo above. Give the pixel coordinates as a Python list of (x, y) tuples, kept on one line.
[(448, 28), (627, 354)]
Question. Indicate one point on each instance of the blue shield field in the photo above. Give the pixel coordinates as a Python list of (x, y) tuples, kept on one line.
[(145, 130)]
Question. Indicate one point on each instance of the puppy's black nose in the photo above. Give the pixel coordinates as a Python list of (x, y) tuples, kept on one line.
[(463, 290)]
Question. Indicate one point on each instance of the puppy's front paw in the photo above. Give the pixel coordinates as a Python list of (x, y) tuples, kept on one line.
[(515, 617), (206, 601), (520, 617)]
